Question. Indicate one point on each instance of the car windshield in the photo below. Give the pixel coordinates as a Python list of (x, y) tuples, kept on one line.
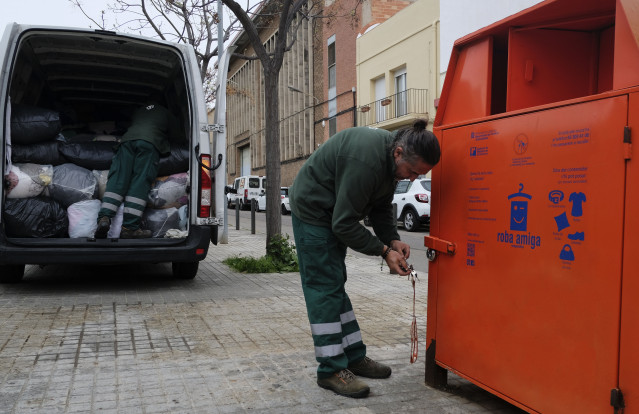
[(426, 184), (284, 192)]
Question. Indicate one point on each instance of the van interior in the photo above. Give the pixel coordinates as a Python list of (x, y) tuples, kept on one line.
[(72, 94)]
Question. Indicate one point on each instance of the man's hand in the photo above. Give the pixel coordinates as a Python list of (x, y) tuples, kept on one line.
[(396, 258), (401, 247), (397, 263)]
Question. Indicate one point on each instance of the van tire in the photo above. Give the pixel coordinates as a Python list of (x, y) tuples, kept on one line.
[(185, 270), (11, 273)]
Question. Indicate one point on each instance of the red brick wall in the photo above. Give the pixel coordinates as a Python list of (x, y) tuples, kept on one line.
[(345, 30), (382, 10)]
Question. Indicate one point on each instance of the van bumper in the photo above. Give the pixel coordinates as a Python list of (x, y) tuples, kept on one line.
[(105, 251)]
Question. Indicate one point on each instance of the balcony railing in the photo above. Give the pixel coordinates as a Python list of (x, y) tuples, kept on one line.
[(409, 102)]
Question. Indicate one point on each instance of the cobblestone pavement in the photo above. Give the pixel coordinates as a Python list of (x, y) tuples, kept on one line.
[(134, 340)]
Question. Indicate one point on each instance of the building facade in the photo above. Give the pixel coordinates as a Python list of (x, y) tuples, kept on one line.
[(397, 68), (246, 145), (317, 88)]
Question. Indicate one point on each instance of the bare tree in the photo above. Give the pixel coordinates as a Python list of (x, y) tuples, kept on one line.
[(192, 22), (271, 60)]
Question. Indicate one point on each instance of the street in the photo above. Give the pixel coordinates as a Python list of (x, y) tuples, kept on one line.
[(414, 239)]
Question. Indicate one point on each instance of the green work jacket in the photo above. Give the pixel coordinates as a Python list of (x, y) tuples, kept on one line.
[(348, 177), (152, 123)]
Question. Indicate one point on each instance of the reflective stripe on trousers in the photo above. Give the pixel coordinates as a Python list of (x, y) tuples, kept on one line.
[(336, 334)]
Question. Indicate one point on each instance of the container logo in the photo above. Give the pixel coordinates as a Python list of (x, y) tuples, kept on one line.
[(519, 210), (519, 222), (521, 144)]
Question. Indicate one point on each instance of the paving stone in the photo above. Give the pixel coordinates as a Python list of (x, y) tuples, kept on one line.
[(117, 339)]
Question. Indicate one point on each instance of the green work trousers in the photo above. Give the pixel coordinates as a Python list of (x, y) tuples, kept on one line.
[(133, 170), (336, 334)]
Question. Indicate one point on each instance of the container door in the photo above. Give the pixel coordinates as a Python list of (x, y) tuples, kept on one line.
[(529, 305), (629, 357)]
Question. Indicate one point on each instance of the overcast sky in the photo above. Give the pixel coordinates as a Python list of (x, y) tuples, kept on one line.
[(48, 12)]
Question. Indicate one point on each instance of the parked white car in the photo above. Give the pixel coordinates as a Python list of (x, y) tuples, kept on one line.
[(285, 208), (413, 203)]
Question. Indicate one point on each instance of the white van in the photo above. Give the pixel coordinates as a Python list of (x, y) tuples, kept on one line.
[(245, 189), (65, 98)]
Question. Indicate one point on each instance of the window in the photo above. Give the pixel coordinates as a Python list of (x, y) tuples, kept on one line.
[(331, 66), (332, 126), (402, 186), (332, 87), (401, 104), (380, 94)]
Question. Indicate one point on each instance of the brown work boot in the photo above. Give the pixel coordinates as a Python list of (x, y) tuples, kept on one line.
[(135, 234), (345, 383), (103, 228), (370, 369)]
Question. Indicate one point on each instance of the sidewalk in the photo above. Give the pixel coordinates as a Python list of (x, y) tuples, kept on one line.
[(134, 340)]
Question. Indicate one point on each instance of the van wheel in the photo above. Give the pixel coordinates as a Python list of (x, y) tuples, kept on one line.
[(284, 211), (185, 270), (11, 273), (411, 222)]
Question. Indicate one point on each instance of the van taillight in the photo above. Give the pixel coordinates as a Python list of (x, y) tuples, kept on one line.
[(205, 188), (246, 196)]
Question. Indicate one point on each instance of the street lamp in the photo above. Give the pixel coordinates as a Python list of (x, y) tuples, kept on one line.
[(294, 89)]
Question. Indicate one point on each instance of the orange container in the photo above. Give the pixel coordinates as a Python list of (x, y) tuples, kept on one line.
[(533, 292)]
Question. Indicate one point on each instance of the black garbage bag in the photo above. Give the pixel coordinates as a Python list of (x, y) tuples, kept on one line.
[(45, 153), (35, 217), (159, 221), (93, 155), (72, 183), (30, 124), (176, 162)]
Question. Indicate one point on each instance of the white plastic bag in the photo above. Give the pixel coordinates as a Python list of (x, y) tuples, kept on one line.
[(83, 218), (28, 180), (116, 223)]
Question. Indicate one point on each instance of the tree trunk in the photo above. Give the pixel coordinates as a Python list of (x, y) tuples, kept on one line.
[(273, 163)]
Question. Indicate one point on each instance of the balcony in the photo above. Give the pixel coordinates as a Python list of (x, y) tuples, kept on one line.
[(399, 108)]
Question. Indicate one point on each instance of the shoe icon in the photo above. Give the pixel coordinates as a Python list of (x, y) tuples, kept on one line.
[(577, 236)]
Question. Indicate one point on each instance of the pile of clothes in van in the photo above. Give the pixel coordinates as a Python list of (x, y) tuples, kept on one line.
[(57, 178)]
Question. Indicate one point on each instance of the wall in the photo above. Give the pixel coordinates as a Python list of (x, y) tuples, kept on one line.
[(409, 39), (345, 30), (245, 102)]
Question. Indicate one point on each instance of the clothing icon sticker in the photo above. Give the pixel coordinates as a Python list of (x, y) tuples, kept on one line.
[(562, 221), (579, 235), (556, 196), (519, 210), (577, 199), (566, 253)]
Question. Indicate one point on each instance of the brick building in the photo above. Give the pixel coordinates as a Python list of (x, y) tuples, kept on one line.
[(317, 87)]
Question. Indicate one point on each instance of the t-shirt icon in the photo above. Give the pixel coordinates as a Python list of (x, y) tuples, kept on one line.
[(577, 199)]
